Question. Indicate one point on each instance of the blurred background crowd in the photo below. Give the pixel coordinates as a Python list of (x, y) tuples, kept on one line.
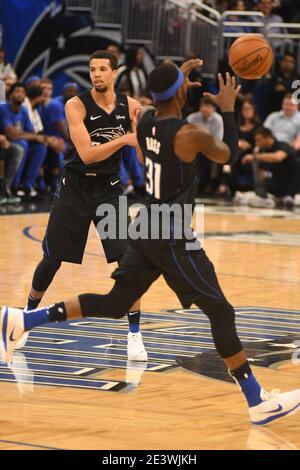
[(34, 135)]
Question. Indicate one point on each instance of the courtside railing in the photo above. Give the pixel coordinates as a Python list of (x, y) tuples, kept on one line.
[(287, 37), (74, 6), (108, 13)]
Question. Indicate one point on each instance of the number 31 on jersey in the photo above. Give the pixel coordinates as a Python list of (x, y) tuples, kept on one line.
[(153, 175)]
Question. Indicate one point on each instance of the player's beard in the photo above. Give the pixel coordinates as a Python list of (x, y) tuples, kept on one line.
[(101, 88)]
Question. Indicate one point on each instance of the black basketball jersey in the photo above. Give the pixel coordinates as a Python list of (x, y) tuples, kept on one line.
[(102, 128), (168, 179)]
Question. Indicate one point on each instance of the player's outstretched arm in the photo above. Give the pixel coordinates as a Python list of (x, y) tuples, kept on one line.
[(88, 153), (193, 139), (225, 100)]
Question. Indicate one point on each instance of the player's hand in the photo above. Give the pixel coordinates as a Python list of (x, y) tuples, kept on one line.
[(227, 95), (40, 138), (187, 68), (244, 144), (256, 150), (56, 143), (247, 159), (4, 143)]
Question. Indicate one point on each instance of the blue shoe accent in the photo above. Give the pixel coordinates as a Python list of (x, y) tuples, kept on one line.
[(35, 318), (251, 389), (134, 321), (272, 418), (4, 328)]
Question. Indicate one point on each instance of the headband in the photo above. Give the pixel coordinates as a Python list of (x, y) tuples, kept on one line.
[(169, 92)]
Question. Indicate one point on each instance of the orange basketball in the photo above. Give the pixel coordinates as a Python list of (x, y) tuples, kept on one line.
[(250, 56)]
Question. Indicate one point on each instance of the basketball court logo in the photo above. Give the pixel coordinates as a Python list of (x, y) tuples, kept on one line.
[(83, 353)]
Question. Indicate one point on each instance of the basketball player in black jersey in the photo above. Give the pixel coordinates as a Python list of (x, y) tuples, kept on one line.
[(171, 147), (99, 124)]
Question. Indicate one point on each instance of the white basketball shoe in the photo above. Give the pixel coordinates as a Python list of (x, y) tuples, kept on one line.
[(11, 331), (275, 405), (135, 348)]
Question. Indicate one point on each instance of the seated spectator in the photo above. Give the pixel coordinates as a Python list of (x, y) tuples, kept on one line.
[(53, 111), (19, 130), (285, 124), (240, 177), (238, 5), (266, 7), (115, 50), (194, 93), (135, 76), (47, 87), (10, 159), (248, 122), (35, 98), (9, 82), (207, 116), (6, 70), (277, 157), (70, 90), (281, 81), (54, 122), (131, 171), (146, 99), (32, 80)]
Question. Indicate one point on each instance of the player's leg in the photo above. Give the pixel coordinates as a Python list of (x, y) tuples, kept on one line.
[(128, 288), (194, 280), (37, 155), (42, 278), (65, 237), (19, 173), (114, 247)]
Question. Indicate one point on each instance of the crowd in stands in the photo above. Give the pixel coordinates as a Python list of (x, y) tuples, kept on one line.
[(274, 10), (34, 136)]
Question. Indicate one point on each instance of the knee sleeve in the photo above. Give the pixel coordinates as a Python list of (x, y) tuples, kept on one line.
[(45, 273), (222, 319), (113, 305)]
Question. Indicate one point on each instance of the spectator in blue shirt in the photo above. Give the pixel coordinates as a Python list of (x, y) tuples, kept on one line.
[(54, 121), (19, 130)]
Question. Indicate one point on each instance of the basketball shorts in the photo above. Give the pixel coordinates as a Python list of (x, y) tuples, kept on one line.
[(190, 274), (75, 204)]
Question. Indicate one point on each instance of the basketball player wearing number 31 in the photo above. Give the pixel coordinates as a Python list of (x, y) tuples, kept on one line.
[(170, 147), (99, 121)]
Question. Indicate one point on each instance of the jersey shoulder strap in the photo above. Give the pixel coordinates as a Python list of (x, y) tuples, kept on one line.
[(122, 107), (88, 102)]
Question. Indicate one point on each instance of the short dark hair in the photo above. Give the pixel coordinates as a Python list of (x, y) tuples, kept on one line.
[(207, 100), (46, 80), (105, 55), (14, 86), (287, 54), (34, 92), (288, 95), (162, 78), (265, 132)]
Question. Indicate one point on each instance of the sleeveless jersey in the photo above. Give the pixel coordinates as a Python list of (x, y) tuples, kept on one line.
[(168, 179), (102, 128)]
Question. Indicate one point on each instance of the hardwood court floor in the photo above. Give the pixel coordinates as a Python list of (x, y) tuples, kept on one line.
[(176, 409)]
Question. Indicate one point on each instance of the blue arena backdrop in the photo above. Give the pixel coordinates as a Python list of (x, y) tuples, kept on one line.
[(40, 39)]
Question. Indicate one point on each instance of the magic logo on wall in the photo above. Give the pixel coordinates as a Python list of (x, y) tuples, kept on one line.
[(54, 45)]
